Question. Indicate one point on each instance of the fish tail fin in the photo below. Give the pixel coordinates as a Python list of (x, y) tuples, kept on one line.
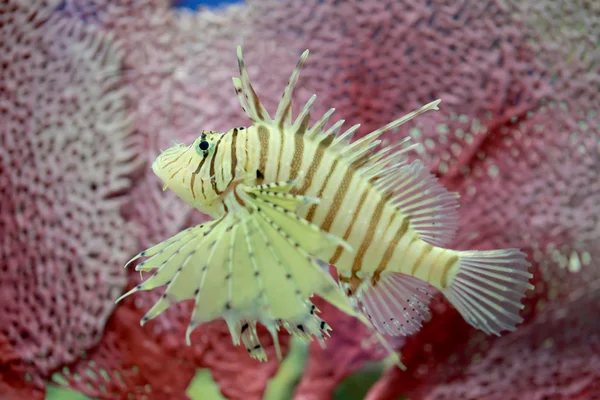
[(486, 287)]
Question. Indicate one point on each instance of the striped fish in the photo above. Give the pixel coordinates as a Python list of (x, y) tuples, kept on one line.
[(287, 199)]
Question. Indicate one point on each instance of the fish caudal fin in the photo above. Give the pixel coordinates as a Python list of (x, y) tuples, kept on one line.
[(488, 286)]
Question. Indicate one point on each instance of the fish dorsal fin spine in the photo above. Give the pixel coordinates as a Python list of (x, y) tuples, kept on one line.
[(358, 152), (246, 94), (363, 147), (283, 116), (301, 124), (319, 127)]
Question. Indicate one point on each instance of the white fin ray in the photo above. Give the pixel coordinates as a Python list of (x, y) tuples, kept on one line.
[(239, 92), (250, 339), (346, 137), (253, 106), (488, 287), (382, 171), (329, 135), (181, 272), (397, 305), (431, 208), (301, 124), (363, 155), (168, 258), (158, 248), (319, 127), (361, 147), (308, 235), (386, 161)]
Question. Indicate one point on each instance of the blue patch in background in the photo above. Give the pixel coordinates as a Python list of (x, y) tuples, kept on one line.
[(193, 4)]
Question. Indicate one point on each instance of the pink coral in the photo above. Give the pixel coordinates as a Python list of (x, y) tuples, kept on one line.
[(64, 161), (516, 136)]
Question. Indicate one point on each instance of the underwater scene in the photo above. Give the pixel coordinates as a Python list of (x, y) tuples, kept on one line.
[(300, 199)]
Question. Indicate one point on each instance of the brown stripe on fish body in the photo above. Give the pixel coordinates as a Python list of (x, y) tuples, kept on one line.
[(228, 170), (297, 155), (417, 262), (369, 236), (272, 163), (223, 164), (311, 163), (335, 206), (392, 239), (408, 250), (212, 172), (194, 174), (320, 182), (435, 265), (264, 143), (422, 259), (291, 152), (445, 269), (389, 223), (233, 152), (334, 189), (354, 203), (374, 252), (433, 261), (205, 182)]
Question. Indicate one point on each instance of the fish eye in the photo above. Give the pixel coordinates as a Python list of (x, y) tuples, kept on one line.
[(203, 145)]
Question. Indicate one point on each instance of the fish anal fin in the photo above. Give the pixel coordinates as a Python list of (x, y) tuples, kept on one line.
[(487, 287), (397, 304)]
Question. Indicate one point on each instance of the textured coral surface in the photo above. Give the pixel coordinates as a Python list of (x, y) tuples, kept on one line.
[(93, 85), (64, 161)]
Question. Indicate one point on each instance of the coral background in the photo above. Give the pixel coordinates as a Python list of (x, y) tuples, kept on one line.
[(90, 90)]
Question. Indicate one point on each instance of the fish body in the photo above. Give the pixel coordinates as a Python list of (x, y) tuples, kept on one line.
[(290, 197)]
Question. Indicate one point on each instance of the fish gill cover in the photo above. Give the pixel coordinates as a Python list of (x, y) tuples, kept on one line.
[(91, 90)]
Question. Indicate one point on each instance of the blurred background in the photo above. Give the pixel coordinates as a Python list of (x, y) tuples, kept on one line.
[(90, 90)]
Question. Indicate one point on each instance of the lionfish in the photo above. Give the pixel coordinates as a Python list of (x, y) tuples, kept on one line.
[(288, 199)]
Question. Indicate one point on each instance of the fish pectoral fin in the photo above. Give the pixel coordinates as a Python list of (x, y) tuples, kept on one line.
[(278, 207), (397, 304), (177, 264), (257, 263)]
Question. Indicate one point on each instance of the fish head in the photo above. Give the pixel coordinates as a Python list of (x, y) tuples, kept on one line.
[(186, 171)]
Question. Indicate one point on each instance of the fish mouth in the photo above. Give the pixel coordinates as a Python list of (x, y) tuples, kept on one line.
[(155, 167)]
